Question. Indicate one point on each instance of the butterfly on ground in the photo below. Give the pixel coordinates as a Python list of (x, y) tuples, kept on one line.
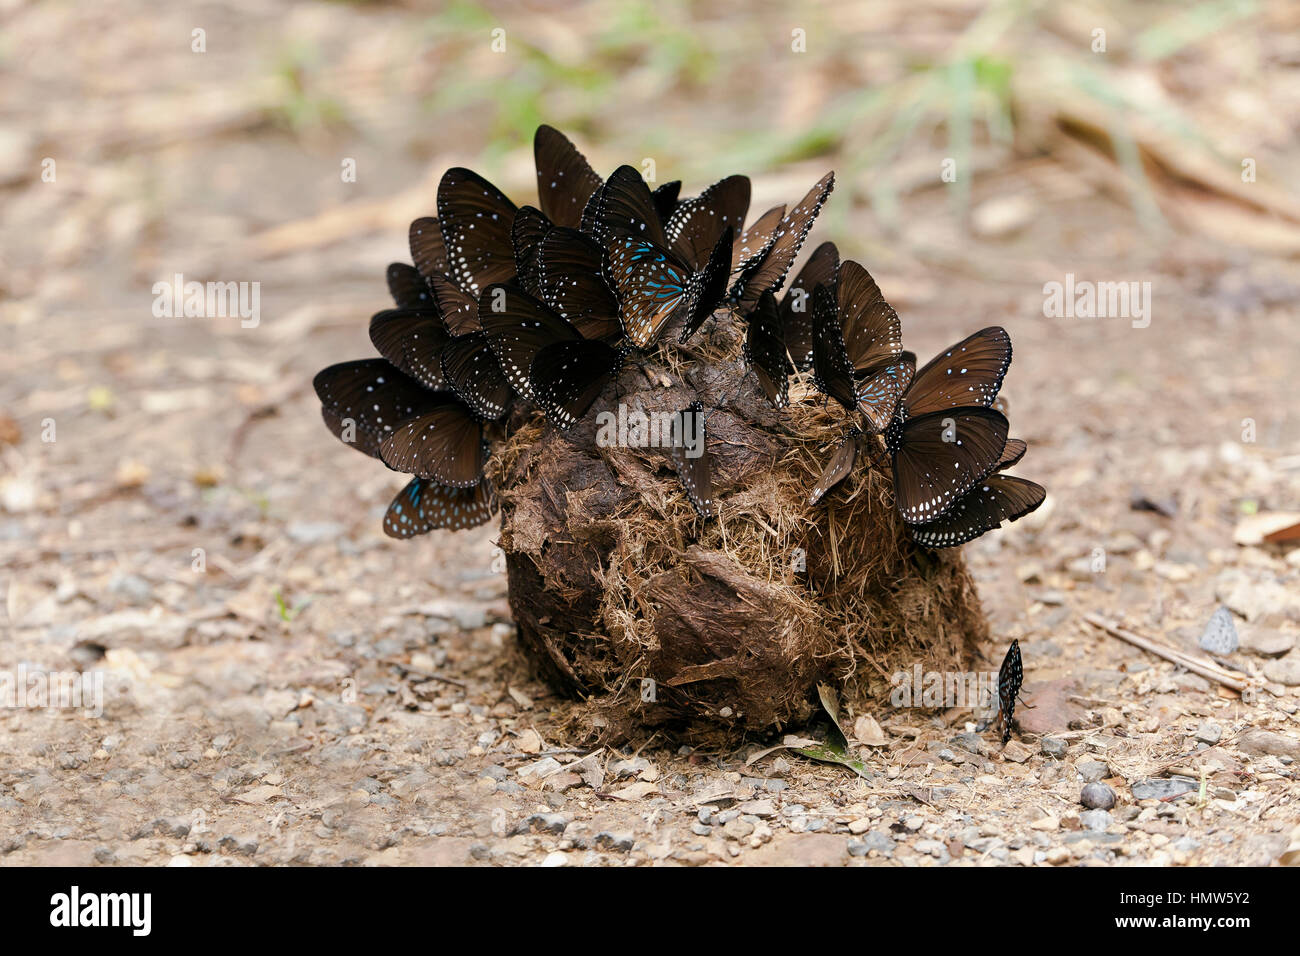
[(858, 357), (413, 340), (565, 180), (767, 270), (1010, 674), (567, 377), (518, 326), (444, 443), (428, 251), (692, 461), (568, 275), (424, 505), (476, 221), (470, 369)]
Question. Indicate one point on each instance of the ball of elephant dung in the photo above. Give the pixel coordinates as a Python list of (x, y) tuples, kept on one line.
[(1097, 796)]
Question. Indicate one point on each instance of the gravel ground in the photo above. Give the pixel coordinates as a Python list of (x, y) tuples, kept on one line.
[(285, 685)]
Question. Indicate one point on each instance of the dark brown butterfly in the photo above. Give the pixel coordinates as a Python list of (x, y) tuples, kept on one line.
[(526, 234), (570, 280), (996, 499), (424, 506), (841, 463), (520, 328), (692, 230), (768, 271), (750, 245), (1009, 677), (941, 455), (857, 347), (365, 401), (623, 206), (443, 443), (822, 268), (567, 377), (654, 287), (413, 340), (476, 220), (565, 180), (471, 370), (764, 350), (458, 309), (691, 459), (967, 373)]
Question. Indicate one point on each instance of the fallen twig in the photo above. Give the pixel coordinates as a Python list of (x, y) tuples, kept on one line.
[(1236, 681)]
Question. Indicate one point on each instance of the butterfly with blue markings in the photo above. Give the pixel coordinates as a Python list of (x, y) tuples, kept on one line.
[(424, 505)]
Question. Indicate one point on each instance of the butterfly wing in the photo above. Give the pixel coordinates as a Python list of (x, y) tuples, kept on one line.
[(692, 462), (941, 456), (665, 199), (872, 332), (693, 230), (428, 251), (967, 373), (424, 506), (364, 401), (841, 463), (765, 350), (470, 367), (476, 220), (412, 339), (565, 180), (706, 290), (444, 443), (1012, 454), (650, 285), (751, 244), (570, 280), (879, 389), (996, 499), (770, 270), (408, 288), (567, 377), (822, 268), (526, 234), (623, 207), (1010, 674), (459, 311), (832, 371), (518, 330)]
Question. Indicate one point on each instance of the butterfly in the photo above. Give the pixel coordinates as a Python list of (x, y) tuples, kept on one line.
[(623, 206), (996, 499), (822, 268), (1010, 674), (764, 350), (567, 377), (365, 401), (690, 458), (768, 270), (653, 286), (858, 354), (569, 278), (470, 368), (409, 289), (413, 340), (424, 506), (428, 251), (518, 330), (476, 221), (444, 442), (967, 373), (941, 455), (841, 463), (693, 228), (565, 180), (458, 309)]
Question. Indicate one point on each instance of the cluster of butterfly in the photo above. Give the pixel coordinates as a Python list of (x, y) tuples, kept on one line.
[(947, 442), (542, 305)]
